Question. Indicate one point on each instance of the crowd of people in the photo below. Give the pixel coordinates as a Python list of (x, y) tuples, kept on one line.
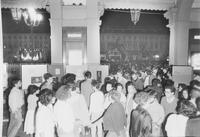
[(136, 103)]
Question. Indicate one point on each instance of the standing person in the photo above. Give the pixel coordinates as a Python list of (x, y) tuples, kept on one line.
[(139, 85), (114, 118), (176, 123), (119, 87), (48, 83), (65, 118), (169, 102), (86, 87), (156, 112), (44, 117), (29, 125), (195, 91), (15, 101), (78, 104), (108, 100), (140, 119), (130, 93), (96, 109), (121, 79), (192, 128)]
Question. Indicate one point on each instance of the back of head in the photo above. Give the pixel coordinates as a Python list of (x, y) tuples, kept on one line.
[(95, 84), (68, 78), (186, 108), (87, 74), (32, 89), (14, 80), (141, 98), (141, 123), (45, 96), (169, 82), (63, 92)]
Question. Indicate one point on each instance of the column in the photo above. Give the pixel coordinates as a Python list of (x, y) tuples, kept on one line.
[(94, 11), (56, 31), (1, 74), (179, 21)]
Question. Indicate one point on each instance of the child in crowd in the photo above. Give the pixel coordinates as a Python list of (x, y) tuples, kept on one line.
[(44, 118), (29, 125)]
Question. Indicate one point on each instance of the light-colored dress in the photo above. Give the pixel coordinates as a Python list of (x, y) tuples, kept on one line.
[(29, 125)]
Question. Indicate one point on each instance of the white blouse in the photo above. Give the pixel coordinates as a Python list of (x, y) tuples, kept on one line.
[(176, 125)]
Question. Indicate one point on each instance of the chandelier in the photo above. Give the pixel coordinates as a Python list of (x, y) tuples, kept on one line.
[(30, 16), (135, 15)]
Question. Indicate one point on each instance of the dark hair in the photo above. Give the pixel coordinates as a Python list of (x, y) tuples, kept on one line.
[(14, 81), (152, 93), (182, 85), (47, 76), (172, 88), (186, 108), (106, 79), (140, 123), (68, 78), (155, 82), (169, 82), (180, 95), (87, 74), (198, 103), (95, 84), (129, 83), (32, 89), (193, 83), (118, 84), (45, 96), (107, 84)]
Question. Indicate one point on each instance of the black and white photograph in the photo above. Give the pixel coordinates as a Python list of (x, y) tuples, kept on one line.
[(100, 68)]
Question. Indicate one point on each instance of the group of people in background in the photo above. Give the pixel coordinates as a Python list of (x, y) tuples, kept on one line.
[(139, 103)]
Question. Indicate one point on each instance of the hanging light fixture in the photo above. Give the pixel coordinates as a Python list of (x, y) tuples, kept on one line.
[(30, 16), (135, 15), (16, 14)]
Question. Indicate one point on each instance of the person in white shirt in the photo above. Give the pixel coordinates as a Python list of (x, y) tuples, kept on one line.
[(80, 109), (15, 101), (45, 120), (96, 109), (176, 123), (65, 119)]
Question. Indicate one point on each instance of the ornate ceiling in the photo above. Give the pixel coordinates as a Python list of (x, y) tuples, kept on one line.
[(109, 4)]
